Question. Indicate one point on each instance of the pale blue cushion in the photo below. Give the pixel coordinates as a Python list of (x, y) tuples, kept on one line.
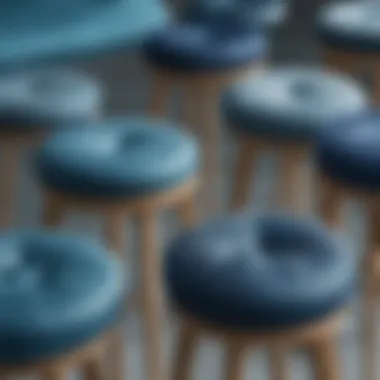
[(291, 103)]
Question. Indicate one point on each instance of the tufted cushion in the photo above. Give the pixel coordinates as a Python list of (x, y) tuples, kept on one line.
[(199, 46), (36, 33), (350, 153), (259, 271), (350, 26), (49, 98), (118, 157), (291, 103), (57, 292)]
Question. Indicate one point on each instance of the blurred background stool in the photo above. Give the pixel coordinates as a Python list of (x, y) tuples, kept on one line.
[(350, 40), (260, 280), (283, 110), (63, 300), (125, 167), (32, 105), (348, 157), (201, 56)]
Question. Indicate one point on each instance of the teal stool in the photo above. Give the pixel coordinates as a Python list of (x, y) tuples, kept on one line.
[(63, 302)]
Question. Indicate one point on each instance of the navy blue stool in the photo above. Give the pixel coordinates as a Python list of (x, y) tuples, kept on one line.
[(119, 168), (283, 110), (260, 280), (63, 302), (350, 40), (348, 158), (32, 105)]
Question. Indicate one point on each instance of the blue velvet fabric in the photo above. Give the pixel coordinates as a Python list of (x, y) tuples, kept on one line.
[(259, 272), (48, 99), (38, 33), (349, 152), (292, 103), (117, 158), (351, 26), (57, 292)]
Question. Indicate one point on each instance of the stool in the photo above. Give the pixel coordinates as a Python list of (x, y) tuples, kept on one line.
[(124, 167), (349, 162), (31, 105), (201, 57), (283, 110), (63, 300), (350, 40), (253, 280)]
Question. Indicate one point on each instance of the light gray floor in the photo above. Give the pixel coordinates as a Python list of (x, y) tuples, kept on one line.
[(127, 85)]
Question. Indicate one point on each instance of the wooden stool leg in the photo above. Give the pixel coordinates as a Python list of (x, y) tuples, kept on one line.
[(151, 295), (330, 203), (325, 360), (115, 232), (94, 370), (235, 355), (53, 211), (160, 95), (277, 363), (10, 160), (183, 354), (117, 357), (188, 212), (247, 154)]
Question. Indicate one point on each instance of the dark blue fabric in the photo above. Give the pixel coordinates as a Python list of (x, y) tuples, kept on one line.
[(349, 152), (259, 272), (122, 156), (350, 26), (57, 292), (198, 46)]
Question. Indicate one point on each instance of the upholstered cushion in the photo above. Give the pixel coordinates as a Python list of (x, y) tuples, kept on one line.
[(57, 293), (39, 33), (351, 26), (202, 46), (259, 272), (291, 103), (49, 98), (118, 157), (350, 152)]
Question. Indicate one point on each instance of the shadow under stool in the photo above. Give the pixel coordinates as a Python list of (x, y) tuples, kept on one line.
[(348, 157), (201, 57), (63, 302), (350, 40), (254, 281), (32, 105), (283, 110), (125, 167)]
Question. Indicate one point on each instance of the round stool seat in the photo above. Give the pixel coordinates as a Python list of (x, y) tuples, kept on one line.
[(49, 98), (57, 293), (291, 103), (350, 152), (201, 46), (257, 272), (118, 157), (351, 26)]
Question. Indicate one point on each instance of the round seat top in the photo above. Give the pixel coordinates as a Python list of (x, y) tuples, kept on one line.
[(57, 293), (48, 98), (351, 26), (201, 46), (118, 157), (291, 102), (349, 152), (259, 271)]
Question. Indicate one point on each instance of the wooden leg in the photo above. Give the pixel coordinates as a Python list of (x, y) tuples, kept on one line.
[(151, 295), (183, 354), (189, 108), (160, 95), (235, 354), (330, 203), (188, 212), (115, 232), (53, 211), (94, 370), (277, 363), (10, 161), (116, 356), (325, 360), (247, 154)]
